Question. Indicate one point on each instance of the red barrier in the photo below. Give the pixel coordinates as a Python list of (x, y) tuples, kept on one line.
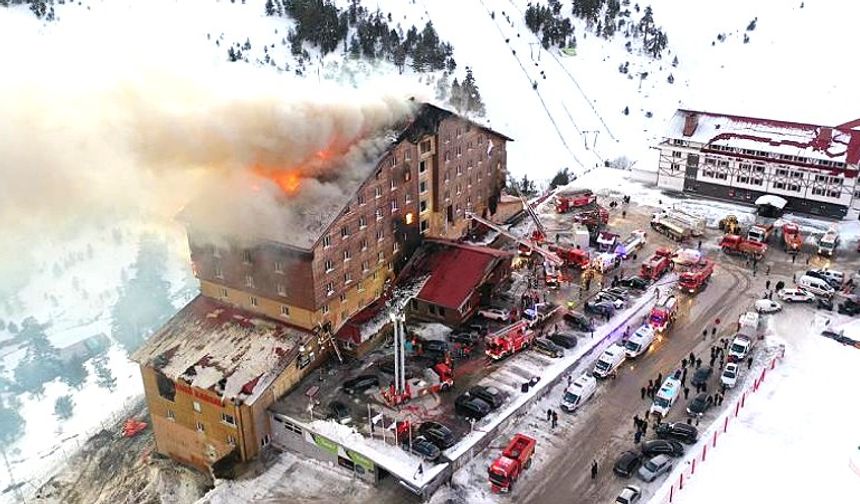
[(715, 439), (704, 452), (773, 362), (743, 399), (671, 493), (693, 469), (726, 424), (681, 483)]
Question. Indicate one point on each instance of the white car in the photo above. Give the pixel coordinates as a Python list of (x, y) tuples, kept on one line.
[(767, 306), (630, 495), (796, 296), (729, 378), (495, 314)]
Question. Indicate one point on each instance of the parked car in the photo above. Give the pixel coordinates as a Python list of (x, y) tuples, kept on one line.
[(627, 463), (796, 296), (470, 406), (422, 447), (631, 494), (339, 412), (438, 434), (563, 340), (605, 297), (602, 308), (835, 278), (622, 292), (464, 338), (824, 304), (839, 336), (495, 314), (698, 405), (479, 327), (767, 306), (578, 321), (678, 431), (437, 347), (547, 347), (701, 375), (490, 395), (360, 384), (849, 307), (654, 467), (634, 282), (729, 378), (661, 446)]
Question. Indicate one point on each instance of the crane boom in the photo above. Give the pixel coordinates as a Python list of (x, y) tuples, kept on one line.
[(549, 256)]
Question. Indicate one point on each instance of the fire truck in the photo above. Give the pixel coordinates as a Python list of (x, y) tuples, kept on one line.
[(577, 258), (577, 198), (606, 241), (673, 228), (760, 232), (509, 340), (738, 245), (694, 223), (792, 240), (438, 378), (632, 244), (696, 279), (663, 314), (515, 458), (656, 265)]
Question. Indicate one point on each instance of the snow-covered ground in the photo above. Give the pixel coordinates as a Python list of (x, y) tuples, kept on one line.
[(795, 438)]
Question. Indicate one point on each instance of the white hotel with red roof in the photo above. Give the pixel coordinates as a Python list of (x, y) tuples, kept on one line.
[(739, 159)]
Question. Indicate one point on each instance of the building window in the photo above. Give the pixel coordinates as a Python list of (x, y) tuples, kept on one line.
[(347, 278), (378, 214), (200, 427), (365, 267), (422, 166), (360, 199), (459, 170), (363, 244), (329, 265), (392, 184), (231, 440), (380, 256), (423, 206), (447, 156), (166, 387), (424, 147), (344, 232), (254, 301), (347, 254), (393, 205), (396, 246), (380, 234), (266, 440), (246, 256), (228, 419), (407, 154), (425, 225), (676, 154), (216, 252), (329, 289), (422, 187), (342, 297), (779, 185), (326, 241), (410, 218), (219, 272), (407, 174), (408, 197), (459, 150), (377, 193), (196, 406), (279, 267), (224, 292), (282, 289), (325, 309), (249, 281), (359, 286), (171, 415), (285, 310), (362, 222)]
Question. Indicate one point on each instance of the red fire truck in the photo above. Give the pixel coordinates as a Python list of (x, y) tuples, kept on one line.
[(568, 200), (577, 258), (509, 340), (737, 245), (791, 237), (663, 314), (516, 458), (438, 378), (656, 265), (695, 279)]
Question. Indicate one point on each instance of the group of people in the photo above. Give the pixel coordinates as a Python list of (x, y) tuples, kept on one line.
[(552, 417)]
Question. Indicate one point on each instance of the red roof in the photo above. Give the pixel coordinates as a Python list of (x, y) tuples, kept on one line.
[(455, 271)]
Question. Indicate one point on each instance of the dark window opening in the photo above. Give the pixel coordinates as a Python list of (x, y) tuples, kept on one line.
[(166, 387)]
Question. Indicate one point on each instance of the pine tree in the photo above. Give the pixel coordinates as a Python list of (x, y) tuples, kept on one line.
[(471, 95), (270, 8), (104, 377), (64, 407), (443, 88), (456, 100), (562, 177), (11, 422), (41, 362)]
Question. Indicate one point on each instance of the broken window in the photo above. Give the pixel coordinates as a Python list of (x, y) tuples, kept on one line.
[(166, 387)]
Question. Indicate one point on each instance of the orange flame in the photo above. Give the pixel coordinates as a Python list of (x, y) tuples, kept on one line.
[(288, 180)]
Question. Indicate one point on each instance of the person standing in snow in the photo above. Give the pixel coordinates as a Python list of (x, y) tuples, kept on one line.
[(642, 391), (593, 469)]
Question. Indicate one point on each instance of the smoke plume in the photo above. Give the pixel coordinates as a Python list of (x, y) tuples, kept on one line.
[(123, 126)]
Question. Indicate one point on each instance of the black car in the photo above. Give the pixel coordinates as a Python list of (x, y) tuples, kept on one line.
[(701, 375), (578, 321), (424, 448), (464, 338), (698, 405), (547, 347), (360, 384), (490, 395), (387, 367), (849, 307), (437, 347), (634, 282), (627, 463), (603, 308), (668, 447), (682, 432), (470, 406), (338, 412), (824, 304), (618, 292), (438, 434), (563, 340)]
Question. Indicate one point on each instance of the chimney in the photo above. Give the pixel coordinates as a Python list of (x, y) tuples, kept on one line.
[(825, 135), (690, 123)]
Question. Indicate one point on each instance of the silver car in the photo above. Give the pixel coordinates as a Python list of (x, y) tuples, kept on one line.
[(654, 467)]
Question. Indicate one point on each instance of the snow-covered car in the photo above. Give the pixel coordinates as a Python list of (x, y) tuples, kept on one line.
[(729, 377), (630, 495), (495, 314), (608, 297), (767, 306), (796, 296), (654, 467)]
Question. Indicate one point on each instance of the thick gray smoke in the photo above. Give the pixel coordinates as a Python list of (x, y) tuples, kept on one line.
[(85, 132)]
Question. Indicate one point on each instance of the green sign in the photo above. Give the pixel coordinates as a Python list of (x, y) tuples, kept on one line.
[(360, 459), (326, 444)]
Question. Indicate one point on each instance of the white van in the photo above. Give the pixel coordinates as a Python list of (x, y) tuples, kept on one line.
[(666, 396), (578, 392), (609, 361), (815, 286), (749, 324), (641, 340), (740, 347)]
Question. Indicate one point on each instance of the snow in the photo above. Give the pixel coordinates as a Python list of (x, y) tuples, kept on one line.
[(770, 199), (804, 431)]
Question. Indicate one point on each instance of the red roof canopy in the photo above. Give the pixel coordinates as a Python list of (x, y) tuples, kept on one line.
[(455, 271)]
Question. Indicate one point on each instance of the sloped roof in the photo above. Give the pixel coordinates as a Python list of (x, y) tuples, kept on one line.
[(455, 271), (232, 352)]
